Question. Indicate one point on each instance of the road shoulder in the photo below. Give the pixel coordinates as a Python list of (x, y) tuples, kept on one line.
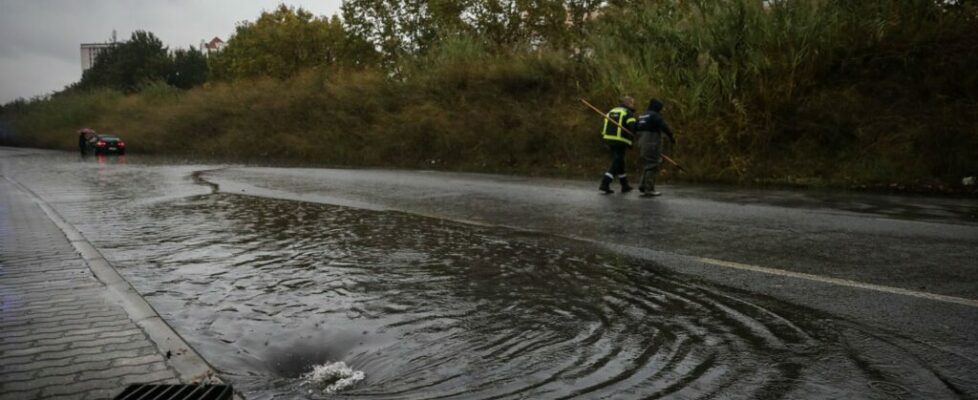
[(71, 326)]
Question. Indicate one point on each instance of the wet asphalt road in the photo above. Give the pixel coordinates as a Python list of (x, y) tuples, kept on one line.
[(534, 287)]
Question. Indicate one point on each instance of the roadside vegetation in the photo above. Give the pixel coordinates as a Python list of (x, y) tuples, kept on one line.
[(809, 92)]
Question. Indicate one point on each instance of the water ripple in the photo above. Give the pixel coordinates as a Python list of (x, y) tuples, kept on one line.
[(267, 290)]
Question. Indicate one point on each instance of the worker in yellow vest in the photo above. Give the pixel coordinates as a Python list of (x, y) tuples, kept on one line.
[(618, 142)]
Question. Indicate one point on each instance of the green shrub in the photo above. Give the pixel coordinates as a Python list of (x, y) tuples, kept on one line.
[(798, 92)]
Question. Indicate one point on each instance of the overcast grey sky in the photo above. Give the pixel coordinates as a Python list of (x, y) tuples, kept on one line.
[(39, 39)]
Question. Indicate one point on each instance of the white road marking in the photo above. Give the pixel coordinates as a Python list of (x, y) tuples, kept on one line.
[(839, 282)]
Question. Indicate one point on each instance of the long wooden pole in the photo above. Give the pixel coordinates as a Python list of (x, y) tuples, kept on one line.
[(665, 157)]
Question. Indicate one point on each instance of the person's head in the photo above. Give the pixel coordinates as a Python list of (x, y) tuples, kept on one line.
[(628, 101), (656, 105)]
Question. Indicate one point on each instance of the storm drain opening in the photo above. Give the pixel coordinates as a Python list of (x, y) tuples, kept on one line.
[(176, 392)]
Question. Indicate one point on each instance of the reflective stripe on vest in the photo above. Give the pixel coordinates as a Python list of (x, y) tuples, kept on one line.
[(618, 114)]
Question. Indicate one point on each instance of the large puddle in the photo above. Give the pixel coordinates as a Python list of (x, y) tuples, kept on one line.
[(269, 290)]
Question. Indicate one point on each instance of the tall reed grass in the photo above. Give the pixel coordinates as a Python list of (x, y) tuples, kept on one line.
[(827, 90)]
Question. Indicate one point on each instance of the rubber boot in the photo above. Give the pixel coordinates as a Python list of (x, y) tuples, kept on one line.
[(606, 184), (625, 187), (644, 181), (650, 189)]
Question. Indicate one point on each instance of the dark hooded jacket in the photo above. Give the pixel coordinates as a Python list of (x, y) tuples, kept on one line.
[(651, 121)]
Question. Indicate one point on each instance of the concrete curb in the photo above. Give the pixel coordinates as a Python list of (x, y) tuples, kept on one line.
[(189, 365)]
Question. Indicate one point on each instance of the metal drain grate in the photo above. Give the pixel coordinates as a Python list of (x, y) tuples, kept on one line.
[(176, 392)]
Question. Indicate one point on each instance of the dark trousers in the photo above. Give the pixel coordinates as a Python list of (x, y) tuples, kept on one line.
[(618, 150), (650, 151)]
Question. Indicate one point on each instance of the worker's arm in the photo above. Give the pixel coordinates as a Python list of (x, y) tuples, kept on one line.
[(629, 125)]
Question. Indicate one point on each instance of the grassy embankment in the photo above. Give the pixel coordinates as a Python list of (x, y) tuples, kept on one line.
[(805, 92)]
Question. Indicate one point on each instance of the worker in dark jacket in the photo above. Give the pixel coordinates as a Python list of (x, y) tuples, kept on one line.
[(83, 136), (649, 128), (618, 142)]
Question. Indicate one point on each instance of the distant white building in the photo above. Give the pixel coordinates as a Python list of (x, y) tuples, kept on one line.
[(215, 45), (90, 52)]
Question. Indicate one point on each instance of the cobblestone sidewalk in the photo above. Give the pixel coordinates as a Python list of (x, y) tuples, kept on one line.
[(61, 335)]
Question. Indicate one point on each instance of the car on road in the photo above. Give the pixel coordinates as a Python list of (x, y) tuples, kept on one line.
[(107, 144)]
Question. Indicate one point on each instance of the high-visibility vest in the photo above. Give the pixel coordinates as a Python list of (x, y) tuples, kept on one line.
[(618, 115)]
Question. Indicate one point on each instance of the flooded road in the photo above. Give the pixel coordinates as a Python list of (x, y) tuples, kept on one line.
[(267, 289)]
